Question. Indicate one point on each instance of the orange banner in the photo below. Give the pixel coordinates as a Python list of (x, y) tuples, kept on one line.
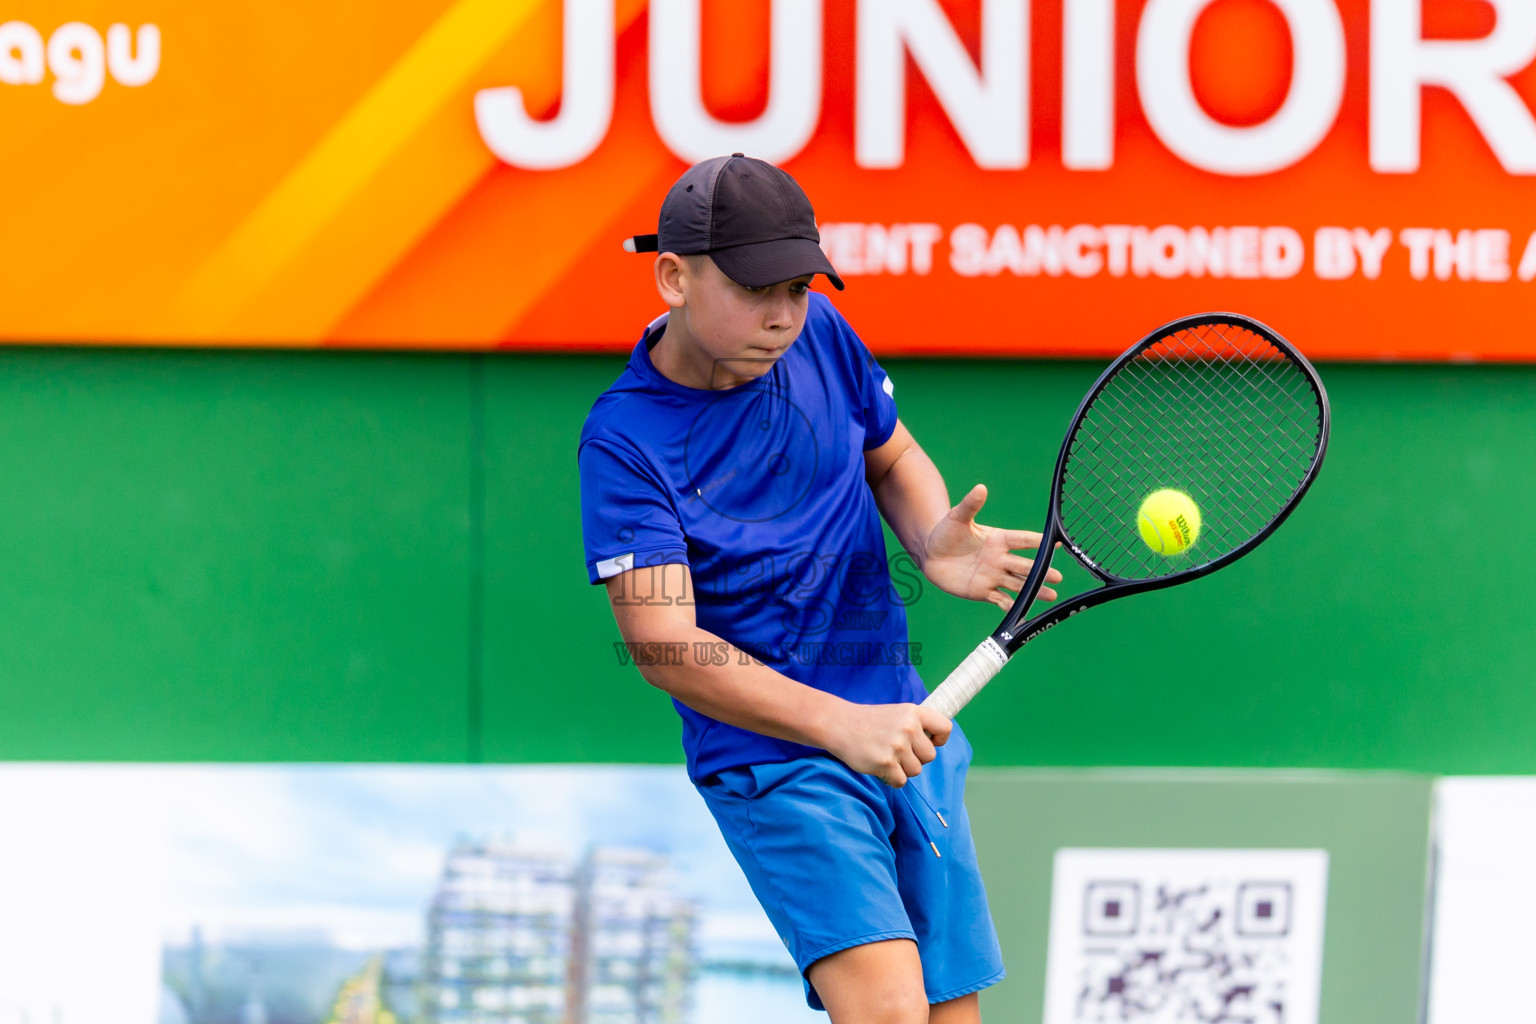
[(1037, 177)]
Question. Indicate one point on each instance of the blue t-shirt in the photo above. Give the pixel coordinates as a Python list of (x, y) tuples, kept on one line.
[(759, 489)]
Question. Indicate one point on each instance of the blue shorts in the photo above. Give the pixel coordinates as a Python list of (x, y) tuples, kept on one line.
[(839, 859)]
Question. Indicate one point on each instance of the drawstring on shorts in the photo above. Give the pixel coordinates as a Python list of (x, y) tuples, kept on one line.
[(908, 790)]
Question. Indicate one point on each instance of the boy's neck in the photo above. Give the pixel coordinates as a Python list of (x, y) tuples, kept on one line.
[(680, 359)]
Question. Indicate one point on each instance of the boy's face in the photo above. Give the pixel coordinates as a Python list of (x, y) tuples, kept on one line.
[(741, 330)]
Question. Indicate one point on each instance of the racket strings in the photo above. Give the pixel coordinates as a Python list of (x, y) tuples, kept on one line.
[(1185, 412), (1112, 453), (1299, 416), (1189, 393), (1215, 411), (1252, 459), (1199, 485)]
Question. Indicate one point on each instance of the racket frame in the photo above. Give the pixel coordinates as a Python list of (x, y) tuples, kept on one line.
[(1015, 631)]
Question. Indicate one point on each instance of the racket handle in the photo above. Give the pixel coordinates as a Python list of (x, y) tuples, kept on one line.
[(976, 671)]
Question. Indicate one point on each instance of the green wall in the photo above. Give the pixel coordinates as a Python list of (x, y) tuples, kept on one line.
[(325, 556)]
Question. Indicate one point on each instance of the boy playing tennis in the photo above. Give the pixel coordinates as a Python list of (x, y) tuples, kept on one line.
[(733, 479)]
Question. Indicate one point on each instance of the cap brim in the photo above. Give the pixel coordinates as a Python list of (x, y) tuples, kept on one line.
[(764, 263)]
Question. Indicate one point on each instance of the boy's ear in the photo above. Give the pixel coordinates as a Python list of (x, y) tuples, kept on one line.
[(672, 272)]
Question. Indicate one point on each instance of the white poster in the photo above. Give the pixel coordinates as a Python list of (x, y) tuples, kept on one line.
[(1142, 936), (82, 872), (1485, 901)]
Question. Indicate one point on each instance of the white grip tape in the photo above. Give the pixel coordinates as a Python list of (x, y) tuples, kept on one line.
[(976, 671)]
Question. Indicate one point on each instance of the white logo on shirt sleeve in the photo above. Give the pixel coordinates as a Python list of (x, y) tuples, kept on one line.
[(613, 566), (888, 387)]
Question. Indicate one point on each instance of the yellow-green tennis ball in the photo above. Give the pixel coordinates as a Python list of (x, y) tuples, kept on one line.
[(1169, 521)]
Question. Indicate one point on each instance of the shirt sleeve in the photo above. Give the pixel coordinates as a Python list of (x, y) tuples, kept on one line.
[(626, 518), (873, 390)]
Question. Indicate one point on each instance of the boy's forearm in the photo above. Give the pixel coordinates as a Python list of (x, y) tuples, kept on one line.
[(912, 498), (742, 692)]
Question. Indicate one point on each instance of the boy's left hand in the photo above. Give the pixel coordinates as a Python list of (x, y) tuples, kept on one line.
[(969, 560)]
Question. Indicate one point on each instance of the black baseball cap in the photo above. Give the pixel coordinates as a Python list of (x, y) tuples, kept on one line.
[(751, 218)]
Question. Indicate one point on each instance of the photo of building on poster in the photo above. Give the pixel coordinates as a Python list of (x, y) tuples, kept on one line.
[(383, 895)]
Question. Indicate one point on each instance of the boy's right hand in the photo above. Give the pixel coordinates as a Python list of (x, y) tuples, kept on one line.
[(889, 741)]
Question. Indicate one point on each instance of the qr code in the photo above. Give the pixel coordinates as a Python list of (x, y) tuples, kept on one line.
[(1184, 936)]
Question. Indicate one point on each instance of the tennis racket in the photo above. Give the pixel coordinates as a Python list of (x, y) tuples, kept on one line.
[(1217, 406)]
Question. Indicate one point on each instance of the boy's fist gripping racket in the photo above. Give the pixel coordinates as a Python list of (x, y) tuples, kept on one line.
[(1193, 447)]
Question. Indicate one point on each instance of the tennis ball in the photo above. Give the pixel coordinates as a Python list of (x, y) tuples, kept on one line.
[(1169, 521)]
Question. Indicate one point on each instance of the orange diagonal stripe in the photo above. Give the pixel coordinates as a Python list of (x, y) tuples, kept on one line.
[(500, 249), (245, 290)]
